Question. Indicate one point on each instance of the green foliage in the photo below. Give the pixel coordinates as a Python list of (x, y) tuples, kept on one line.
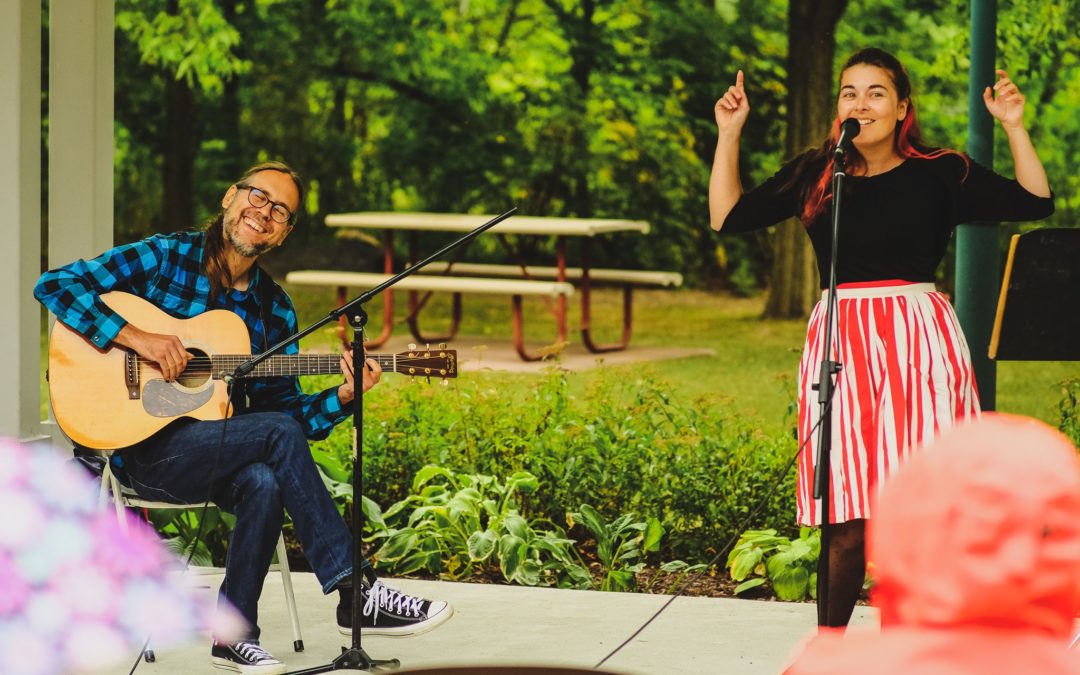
[(1069, 408), (195, 42), (457, 525), (623, 446), (789, 565), (563, 108), (621, 545), (179, 527)]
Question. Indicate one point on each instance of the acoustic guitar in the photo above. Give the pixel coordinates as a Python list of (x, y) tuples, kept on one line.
[(113, 398)]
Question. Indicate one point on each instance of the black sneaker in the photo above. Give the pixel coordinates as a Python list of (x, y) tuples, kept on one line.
[(387, 611), (245, 657)]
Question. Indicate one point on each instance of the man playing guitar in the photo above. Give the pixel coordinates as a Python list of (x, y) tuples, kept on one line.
[(262, 465)]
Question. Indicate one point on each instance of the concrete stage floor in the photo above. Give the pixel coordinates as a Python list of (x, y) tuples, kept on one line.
[(497, 625)]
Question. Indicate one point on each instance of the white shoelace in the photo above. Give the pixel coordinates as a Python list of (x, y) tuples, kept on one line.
[(391, 601), (253, 652)]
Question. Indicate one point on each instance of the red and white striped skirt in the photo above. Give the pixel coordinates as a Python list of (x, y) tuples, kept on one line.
[(906, 377)]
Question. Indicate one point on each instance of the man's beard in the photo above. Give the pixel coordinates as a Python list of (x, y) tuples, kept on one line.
[(242, 247)]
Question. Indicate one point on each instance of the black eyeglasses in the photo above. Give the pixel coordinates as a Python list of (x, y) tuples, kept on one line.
[(257, 198)]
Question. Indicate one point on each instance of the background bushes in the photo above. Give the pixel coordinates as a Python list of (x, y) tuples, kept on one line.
[(624, 446)]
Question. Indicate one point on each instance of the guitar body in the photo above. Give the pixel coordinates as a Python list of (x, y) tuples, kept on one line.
[(97, 407)]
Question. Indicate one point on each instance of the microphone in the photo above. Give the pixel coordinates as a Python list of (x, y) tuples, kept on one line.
[(849, 129)]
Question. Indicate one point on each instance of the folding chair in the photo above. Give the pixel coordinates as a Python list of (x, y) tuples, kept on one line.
[(123, 497)]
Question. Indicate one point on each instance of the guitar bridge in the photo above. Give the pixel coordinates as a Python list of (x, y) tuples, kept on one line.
[(131, 374)]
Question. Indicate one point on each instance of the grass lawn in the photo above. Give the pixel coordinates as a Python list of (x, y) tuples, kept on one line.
[(753, 371), (754, 368)]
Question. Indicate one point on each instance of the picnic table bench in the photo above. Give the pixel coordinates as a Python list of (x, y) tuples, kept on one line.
[(551, 283), (515, 288)]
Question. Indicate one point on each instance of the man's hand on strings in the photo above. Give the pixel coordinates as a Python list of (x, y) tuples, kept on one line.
[(165, 351), (371, 374)]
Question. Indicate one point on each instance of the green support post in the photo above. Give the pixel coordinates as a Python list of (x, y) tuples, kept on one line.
[(977, 258)]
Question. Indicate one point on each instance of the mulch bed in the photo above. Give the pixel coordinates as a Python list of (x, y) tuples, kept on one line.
[(711, 584)]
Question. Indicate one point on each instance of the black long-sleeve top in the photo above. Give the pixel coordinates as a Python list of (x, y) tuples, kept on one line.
[(895, 225)]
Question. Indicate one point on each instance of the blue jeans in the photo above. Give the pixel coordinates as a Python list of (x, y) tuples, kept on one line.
[(263, 466)]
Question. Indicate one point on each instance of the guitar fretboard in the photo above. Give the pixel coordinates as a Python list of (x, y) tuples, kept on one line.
[(434, 363), (296, 364)]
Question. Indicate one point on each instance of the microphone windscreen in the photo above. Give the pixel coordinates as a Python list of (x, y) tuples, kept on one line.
[(850, 128)]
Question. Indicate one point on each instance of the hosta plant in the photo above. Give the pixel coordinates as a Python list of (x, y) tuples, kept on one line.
[(789, 565), (457, 525)]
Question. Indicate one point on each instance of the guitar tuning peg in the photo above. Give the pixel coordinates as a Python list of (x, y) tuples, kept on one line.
[(442, 345), (412, 345), (445, 382)]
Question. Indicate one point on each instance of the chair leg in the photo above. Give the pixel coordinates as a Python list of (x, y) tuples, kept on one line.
[(290, 599), (108, 478), (110, 483)]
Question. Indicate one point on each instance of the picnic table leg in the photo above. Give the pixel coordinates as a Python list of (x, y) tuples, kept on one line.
[(388, 302), (586, 310), (560, 302), (414, 319), (415, 305), (519, 333)]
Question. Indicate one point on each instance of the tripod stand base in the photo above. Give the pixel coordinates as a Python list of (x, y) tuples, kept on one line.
[(353, 658)]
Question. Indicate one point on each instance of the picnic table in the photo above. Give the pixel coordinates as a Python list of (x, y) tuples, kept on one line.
[(555, 283)]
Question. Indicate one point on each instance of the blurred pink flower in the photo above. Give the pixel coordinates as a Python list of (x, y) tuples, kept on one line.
[(90, 591), (14, 466), (77, 591), (14, 591), (137, 551)]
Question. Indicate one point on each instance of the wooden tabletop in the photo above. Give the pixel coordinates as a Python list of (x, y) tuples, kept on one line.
[(453, 222)]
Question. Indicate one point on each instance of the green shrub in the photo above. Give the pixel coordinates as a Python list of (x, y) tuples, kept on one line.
[(1069, 406), (622, 446)]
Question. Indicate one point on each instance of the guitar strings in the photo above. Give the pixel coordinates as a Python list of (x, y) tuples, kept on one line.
[(202, 365)]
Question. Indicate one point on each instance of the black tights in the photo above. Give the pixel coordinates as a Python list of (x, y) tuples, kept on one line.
[(847, 569)]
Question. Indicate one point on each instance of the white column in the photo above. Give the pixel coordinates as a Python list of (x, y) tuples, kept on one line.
[(80, 135), (20, 204), (80, 129)]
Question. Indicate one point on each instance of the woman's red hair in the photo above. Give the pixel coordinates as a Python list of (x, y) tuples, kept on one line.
[(907, 138)]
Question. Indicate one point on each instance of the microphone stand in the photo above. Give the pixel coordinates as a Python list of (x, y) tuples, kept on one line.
[(355, 658), (825, 388)]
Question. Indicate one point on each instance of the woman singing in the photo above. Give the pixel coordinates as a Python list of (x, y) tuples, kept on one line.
[(907, 371)]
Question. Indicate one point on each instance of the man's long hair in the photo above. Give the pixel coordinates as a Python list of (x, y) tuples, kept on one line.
[(214, 265), (907, 137)]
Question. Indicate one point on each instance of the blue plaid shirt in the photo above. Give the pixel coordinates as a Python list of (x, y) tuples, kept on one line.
[(167, 271)]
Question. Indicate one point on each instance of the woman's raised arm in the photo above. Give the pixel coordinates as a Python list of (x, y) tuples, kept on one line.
[(1007, 107), (725, 187)]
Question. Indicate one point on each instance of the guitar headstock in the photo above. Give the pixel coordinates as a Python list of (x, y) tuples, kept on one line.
[(439, 362)]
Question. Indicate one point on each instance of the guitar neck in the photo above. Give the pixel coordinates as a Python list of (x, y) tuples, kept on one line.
[(299, 364)]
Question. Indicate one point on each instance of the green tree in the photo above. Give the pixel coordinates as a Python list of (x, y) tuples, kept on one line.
[(811, 107)]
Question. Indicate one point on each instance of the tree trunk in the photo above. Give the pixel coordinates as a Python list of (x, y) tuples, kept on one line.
[(810, 111), (180, 143), (233, 162), (580, 31)]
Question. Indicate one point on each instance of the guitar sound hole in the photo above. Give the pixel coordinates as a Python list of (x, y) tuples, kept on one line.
[(197, 371)]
